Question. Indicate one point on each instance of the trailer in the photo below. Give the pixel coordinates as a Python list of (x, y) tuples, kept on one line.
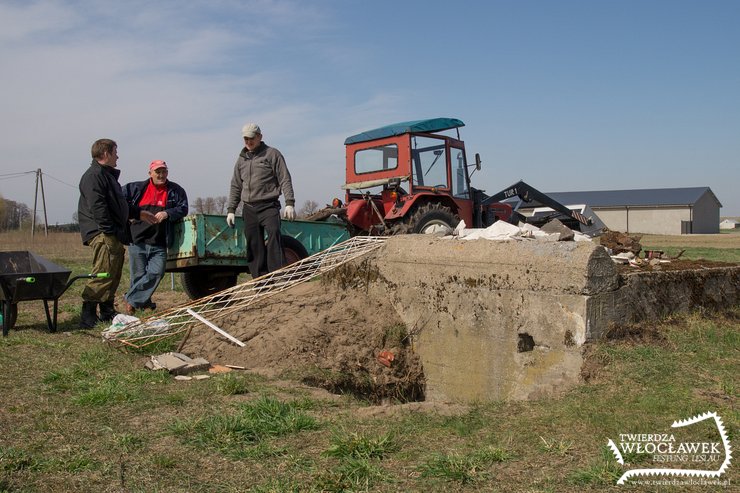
[(210, 255)]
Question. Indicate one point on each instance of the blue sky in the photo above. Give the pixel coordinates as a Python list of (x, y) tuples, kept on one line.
[(566, 95)]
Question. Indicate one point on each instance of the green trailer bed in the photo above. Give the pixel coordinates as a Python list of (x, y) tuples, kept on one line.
[(210, 254)]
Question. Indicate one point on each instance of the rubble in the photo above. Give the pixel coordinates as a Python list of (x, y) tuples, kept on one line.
[(616, 242), (501, 230), (177, 363)]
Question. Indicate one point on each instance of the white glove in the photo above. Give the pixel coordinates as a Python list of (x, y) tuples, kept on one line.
[(230, 219), (289, 213)]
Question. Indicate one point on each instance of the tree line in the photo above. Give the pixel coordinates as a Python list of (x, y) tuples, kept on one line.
[(17, 215), (217, 205), (14, 215)]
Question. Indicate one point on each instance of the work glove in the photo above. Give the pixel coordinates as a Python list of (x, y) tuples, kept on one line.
[(289, 213), (230, 219)]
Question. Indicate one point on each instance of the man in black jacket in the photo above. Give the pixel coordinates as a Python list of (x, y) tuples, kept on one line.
[(148, 250), (103, 215)]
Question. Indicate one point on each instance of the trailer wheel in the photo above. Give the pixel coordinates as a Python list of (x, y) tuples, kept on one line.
[(293, 250), (13, 316), (200, 283), (205, 282), (426, 216)]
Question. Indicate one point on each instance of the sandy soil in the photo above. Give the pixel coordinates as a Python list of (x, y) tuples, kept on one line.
[(322, 335)]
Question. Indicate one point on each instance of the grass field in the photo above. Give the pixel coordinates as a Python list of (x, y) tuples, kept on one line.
[(719, 248), (79, 415)]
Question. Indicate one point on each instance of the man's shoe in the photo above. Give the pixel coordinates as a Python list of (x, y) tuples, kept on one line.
[(88, 315), (107, 311), (150, 305), (130, 310)]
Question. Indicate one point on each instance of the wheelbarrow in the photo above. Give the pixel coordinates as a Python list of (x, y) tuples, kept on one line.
[(26, 276)]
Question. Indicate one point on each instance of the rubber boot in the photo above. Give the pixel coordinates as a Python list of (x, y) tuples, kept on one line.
[(88, 316), (107, 311)]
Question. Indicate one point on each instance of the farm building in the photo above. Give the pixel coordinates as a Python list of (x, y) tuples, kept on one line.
[(656, 211), (729, 224)]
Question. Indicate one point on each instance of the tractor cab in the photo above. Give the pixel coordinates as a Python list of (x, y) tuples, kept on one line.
[(408, 177)]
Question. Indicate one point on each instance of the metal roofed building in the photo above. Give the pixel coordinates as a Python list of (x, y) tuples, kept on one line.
[(669, 211)]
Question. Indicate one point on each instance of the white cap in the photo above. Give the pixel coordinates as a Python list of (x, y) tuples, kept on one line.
[(250, 130)]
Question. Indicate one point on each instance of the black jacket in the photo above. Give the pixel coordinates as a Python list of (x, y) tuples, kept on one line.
[(177, 203), (102, 207)]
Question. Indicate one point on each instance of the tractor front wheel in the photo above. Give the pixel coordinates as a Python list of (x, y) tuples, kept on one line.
[(424, 217)]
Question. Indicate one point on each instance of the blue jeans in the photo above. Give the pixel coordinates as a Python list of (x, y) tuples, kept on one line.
[(147, 264)]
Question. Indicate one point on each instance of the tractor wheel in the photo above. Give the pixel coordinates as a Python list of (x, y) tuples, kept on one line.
[(293, 250), (200, 283), (426, 216), (10, 323)]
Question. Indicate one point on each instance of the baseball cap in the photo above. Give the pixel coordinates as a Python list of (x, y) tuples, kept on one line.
[(157, 164), (250, 130)]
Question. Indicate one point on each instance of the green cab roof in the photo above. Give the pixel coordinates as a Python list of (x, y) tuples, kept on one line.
[(429, 125)]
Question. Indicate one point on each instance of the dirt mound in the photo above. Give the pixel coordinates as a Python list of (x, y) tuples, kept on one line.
[(321, 335)]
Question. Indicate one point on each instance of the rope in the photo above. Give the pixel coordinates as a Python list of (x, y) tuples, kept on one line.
[(216, 306)]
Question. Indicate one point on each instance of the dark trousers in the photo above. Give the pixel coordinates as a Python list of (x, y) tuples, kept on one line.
[(262, 219), (108, 254)]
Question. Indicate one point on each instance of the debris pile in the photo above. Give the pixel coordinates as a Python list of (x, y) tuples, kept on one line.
[(501, 230), (616, 242), (177, 363)]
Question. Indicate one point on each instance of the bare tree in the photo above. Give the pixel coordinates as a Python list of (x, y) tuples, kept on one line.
[(221, 204), (309, 207), (210, 205), (198, 205)]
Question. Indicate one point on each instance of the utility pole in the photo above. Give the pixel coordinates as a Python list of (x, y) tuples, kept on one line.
[(39, 178), (43, 203), (35, 200)]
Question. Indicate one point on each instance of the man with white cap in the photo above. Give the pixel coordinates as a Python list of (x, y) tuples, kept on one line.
[(260, 177), (148, 250)]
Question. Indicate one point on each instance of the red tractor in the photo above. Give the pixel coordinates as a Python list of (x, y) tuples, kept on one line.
[(420, 179)]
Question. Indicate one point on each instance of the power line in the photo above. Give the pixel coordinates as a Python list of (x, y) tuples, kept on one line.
[(10, 178), (60, 181), (16, 175)]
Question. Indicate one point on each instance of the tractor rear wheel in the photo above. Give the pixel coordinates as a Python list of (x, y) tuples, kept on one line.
[(425, 217)]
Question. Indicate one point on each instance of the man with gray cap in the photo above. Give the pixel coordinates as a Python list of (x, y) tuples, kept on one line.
[(260, 176)]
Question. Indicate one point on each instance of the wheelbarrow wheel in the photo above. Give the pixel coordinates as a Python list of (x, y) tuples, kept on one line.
[(200, 283), (12, 316)]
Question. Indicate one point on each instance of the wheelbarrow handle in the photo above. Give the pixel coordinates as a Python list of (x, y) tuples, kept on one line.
[(99, 275)]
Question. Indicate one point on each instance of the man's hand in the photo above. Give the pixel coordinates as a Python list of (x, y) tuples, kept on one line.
[(161, 216), (230, 219), (289, 213), (148, 217)]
